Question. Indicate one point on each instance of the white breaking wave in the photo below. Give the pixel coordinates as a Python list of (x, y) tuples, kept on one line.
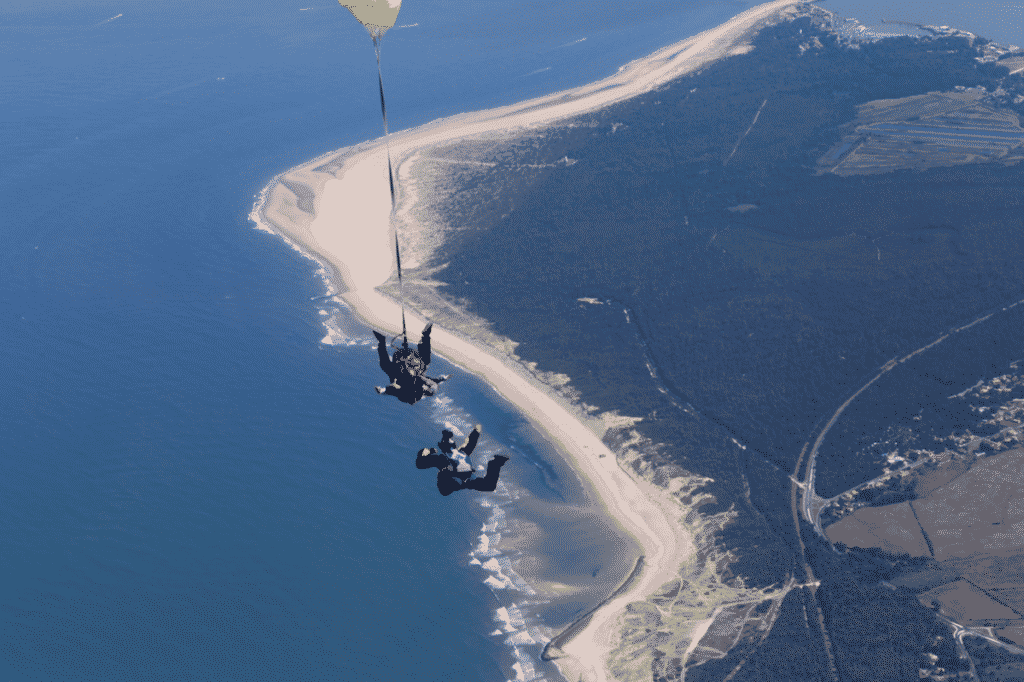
[(336, 336), (511, 618), (534, 73), (254, 216), (507, 586)]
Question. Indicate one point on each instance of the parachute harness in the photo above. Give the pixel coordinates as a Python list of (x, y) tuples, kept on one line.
[(391, 180)]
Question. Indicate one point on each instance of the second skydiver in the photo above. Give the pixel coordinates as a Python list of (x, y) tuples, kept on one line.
[(454, 470)]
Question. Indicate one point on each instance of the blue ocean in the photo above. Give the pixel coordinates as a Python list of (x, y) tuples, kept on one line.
[(197, 486)]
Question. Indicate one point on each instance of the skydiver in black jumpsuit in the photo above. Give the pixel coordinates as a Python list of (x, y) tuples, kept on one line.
[(454, 475), (407, 369)]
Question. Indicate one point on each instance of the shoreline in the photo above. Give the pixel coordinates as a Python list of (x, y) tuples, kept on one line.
[(553, 649), (337, 208)]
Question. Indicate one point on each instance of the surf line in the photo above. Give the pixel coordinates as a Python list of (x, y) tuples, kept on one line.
[(553, 649)]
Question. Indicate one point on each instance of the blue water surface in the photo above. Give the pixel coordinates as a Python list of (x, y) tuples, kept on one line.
[(195, 486)]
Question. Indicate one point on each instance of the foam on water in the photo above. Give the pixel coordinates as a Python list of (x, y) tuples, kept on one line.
[(525, 636), (336, 336), (256, 216)]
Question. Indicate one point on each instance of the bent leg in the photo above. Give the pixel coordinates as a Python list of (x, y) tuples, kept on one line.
[(398, 392), (488, 483), (435, 380)]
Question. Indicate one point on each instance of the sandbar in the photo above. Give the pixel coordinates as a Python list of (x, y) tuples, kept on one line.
[(338, 209)]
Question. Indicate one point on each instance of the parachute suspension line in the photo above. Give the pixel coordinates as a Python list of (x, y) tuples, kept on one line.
[(391, 184), (401, 292), (384, 113)]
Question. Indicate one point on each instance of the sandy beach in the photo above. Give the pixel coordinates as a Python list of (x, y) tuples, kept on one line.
[(341, 214)]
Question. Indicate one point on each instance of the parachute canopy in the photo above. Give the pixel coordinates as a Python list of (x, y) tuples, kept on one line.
[(376, 15)]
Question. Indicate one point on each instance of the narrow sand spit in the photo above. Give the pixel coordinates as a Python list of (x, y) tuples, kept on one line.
[(352, 231)]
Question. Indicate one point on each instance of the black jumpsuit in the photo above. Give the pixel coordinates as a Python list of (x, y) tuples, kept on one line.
[(449, 478), (407, 369)]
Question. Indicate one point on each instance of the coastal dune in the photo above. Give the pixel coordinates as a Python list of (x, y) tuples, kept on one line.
[(338, 208)]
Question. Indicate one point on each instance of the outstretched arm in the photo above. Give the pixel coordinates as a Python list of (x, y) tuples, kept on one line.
[(424, 345), (428, 457), (382, 352), (470, 443)]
